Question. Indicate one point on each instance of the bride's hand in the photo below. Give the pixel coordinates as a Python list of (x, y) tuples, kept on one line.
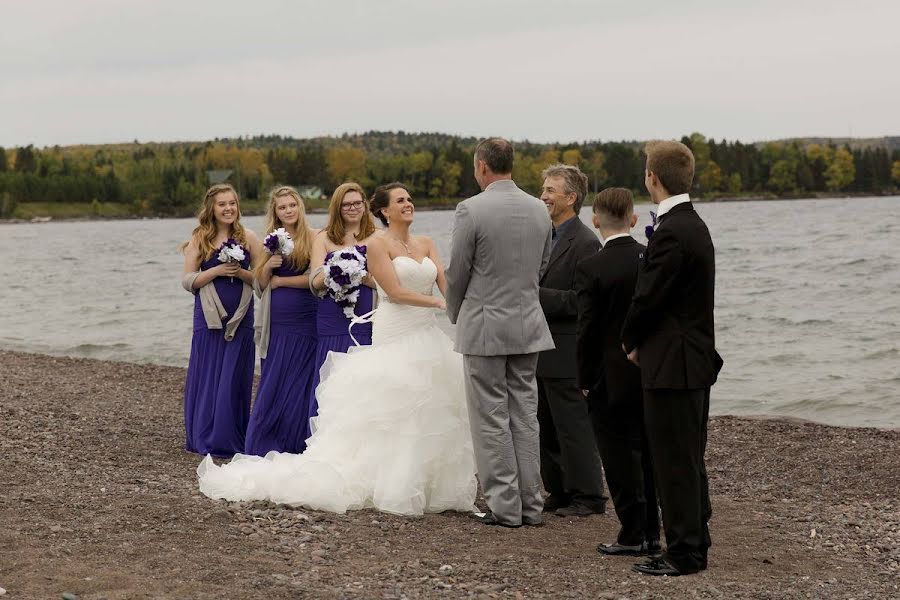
[(441, 304)]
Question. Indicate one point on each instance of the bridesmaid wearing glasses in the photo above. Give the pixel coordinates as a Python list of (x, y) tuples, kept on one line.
[(349, 224)]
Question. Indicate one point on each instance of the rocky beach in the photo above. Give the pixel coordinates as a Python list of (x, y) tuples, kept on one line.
[(98, 499)]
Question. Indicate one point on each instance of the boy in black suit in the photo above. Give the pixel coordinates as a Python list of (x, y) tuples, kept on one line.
[(669, 332), (605, 284)]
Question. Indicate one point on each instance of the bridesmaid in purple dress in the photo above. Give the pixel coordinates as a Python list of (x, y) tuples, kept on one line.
[(220, 372), (349, 224), (279, 420)]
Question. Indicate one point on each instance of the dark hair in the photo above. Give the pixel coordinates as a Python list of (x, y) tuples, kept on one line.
[(497, 153), (382, 198), (615, 202), (576, 181), (673, 164)]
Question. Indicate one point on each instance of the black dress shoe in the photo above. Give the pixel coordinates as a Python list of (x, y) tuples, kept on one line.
[(532, 523), (659, 567), (489, 519), (554, 502), (618, 549), (582, 509)]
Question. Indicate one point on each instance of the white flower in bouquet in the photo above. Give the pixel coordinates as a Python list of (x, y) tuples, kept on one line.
[(231, 251), (279, 242)]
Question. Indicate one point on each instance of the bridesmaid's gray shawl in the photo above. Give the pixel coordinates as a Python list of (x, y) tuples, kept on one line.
[(263, 325), (213, 310)]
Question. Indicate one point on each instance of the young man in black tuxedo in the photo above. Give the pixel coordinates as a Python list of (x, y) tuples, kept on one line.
[(669, 332), (570, 462), (605, 285)]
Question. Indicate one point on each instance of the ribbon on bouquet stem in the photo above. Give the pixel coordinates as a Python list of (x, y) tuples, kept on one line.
[(357, 320)]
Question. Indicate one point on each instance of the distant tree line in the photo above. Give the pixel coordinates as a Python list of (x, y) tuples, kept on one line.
[(169, 179)]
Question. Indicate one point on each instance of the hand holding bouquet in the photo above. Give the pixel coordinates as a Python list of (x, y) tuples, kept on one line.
[(231, 252)]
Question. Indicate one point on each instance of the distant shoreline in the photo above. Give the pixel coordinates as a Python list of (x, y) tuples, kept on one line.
[(77, 212)]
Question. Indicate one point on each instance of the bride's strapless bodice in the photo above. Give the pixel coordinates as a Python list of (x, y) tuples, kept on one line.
[(393, 320)]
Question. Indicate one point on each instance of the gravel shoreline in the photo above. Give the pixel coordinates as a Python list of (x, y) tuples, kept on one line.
[(99, 500)]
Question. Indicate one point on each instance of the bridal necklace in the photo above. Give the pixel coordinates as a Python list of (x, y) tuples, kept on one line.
[(405, 245)]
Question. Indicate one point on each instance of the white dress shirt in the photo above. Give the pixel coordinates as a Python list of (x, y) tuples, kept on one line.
[(615, 237), (667, 204)]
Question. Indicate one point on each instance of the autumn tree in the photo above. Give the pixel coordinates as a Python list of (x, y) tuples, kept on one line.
[(345, 163), (707, 174), (841, 170)]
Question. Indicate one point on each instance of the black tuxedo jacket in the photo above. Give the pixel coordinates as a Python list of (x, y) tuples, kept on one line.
[(670, 321), (559, 299), (605, 285)]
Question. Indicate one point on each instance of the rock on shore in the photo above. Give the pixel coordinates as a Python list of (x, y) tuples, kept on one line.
[(99, 500)]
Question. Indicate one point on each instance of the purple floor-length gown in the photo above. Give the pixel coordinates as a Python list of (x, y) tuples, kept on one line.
[(280, 417), (334, 336), (220, 375)]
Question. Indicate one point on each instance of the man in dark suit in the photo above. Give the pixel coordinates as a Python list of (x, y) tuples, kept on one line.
[(570, 462), (605, 284), (669, 332)]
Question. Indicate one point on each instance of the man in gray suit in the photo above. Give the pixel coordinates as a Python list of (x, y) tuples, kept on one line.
[(500, 247)]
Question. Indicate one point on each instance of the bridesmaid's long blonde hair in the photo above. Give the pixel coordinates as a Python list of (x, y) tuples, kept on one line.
[(205, 233), (299, 258)]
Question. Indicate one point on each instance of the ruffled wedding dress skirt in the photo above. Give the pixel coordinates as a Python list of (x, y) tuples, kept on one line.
[(392, 431)]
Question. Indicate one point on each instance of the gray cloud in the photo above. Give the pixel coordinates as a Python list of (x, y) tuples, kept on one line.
[(103, 71)]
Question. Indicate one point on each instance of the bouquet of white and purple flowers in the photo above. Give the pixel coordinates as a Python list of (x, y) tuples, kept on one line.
[(231, 251), (344, 272), (279, 242)]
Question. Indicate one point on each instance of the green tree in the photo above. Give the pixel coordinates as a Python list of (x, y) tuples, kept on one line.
[(734, 183), (3, 165), (895, 172), (26, 161), (841, 171), (782, 177), (7, 205)]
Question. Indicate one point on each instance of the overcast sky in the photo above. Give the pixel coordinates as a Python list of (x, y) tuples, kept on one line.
[(95, 71)]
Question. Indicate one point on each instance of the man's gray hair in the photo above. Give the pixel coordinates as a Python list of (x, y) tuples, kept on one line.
[(576, 181)]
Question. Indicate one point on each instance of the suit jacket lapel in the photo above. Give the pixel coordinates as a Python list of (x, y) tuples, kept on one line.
[(562, 246)]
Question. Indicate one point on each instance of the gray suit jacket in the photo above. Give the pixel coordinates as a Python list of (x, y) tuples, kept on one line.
[(499, 249)]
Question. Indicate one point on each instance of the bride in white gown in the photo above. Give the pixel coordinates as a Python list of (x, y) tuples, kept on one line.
[(392, 431)]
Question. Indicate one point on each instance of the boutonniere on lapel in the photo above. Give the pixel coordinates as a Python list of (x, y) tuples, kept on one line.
[(649, 229)]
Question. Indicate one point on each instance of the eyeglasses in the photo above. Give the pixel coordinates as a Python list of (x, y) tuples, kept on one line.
[(352, 205)]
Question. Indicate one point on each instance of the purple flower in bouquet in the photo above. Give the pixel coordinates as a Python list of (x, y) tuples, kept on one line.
[(279, 242), (345, 270), (649, 229)]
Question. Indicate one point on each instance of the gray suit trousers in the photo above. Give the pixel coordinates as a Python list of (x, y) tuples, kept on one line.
[(502, 397)]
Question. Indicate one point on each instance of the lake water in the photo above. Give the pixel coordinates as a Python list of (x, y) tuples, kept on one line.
[(807, 300)]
